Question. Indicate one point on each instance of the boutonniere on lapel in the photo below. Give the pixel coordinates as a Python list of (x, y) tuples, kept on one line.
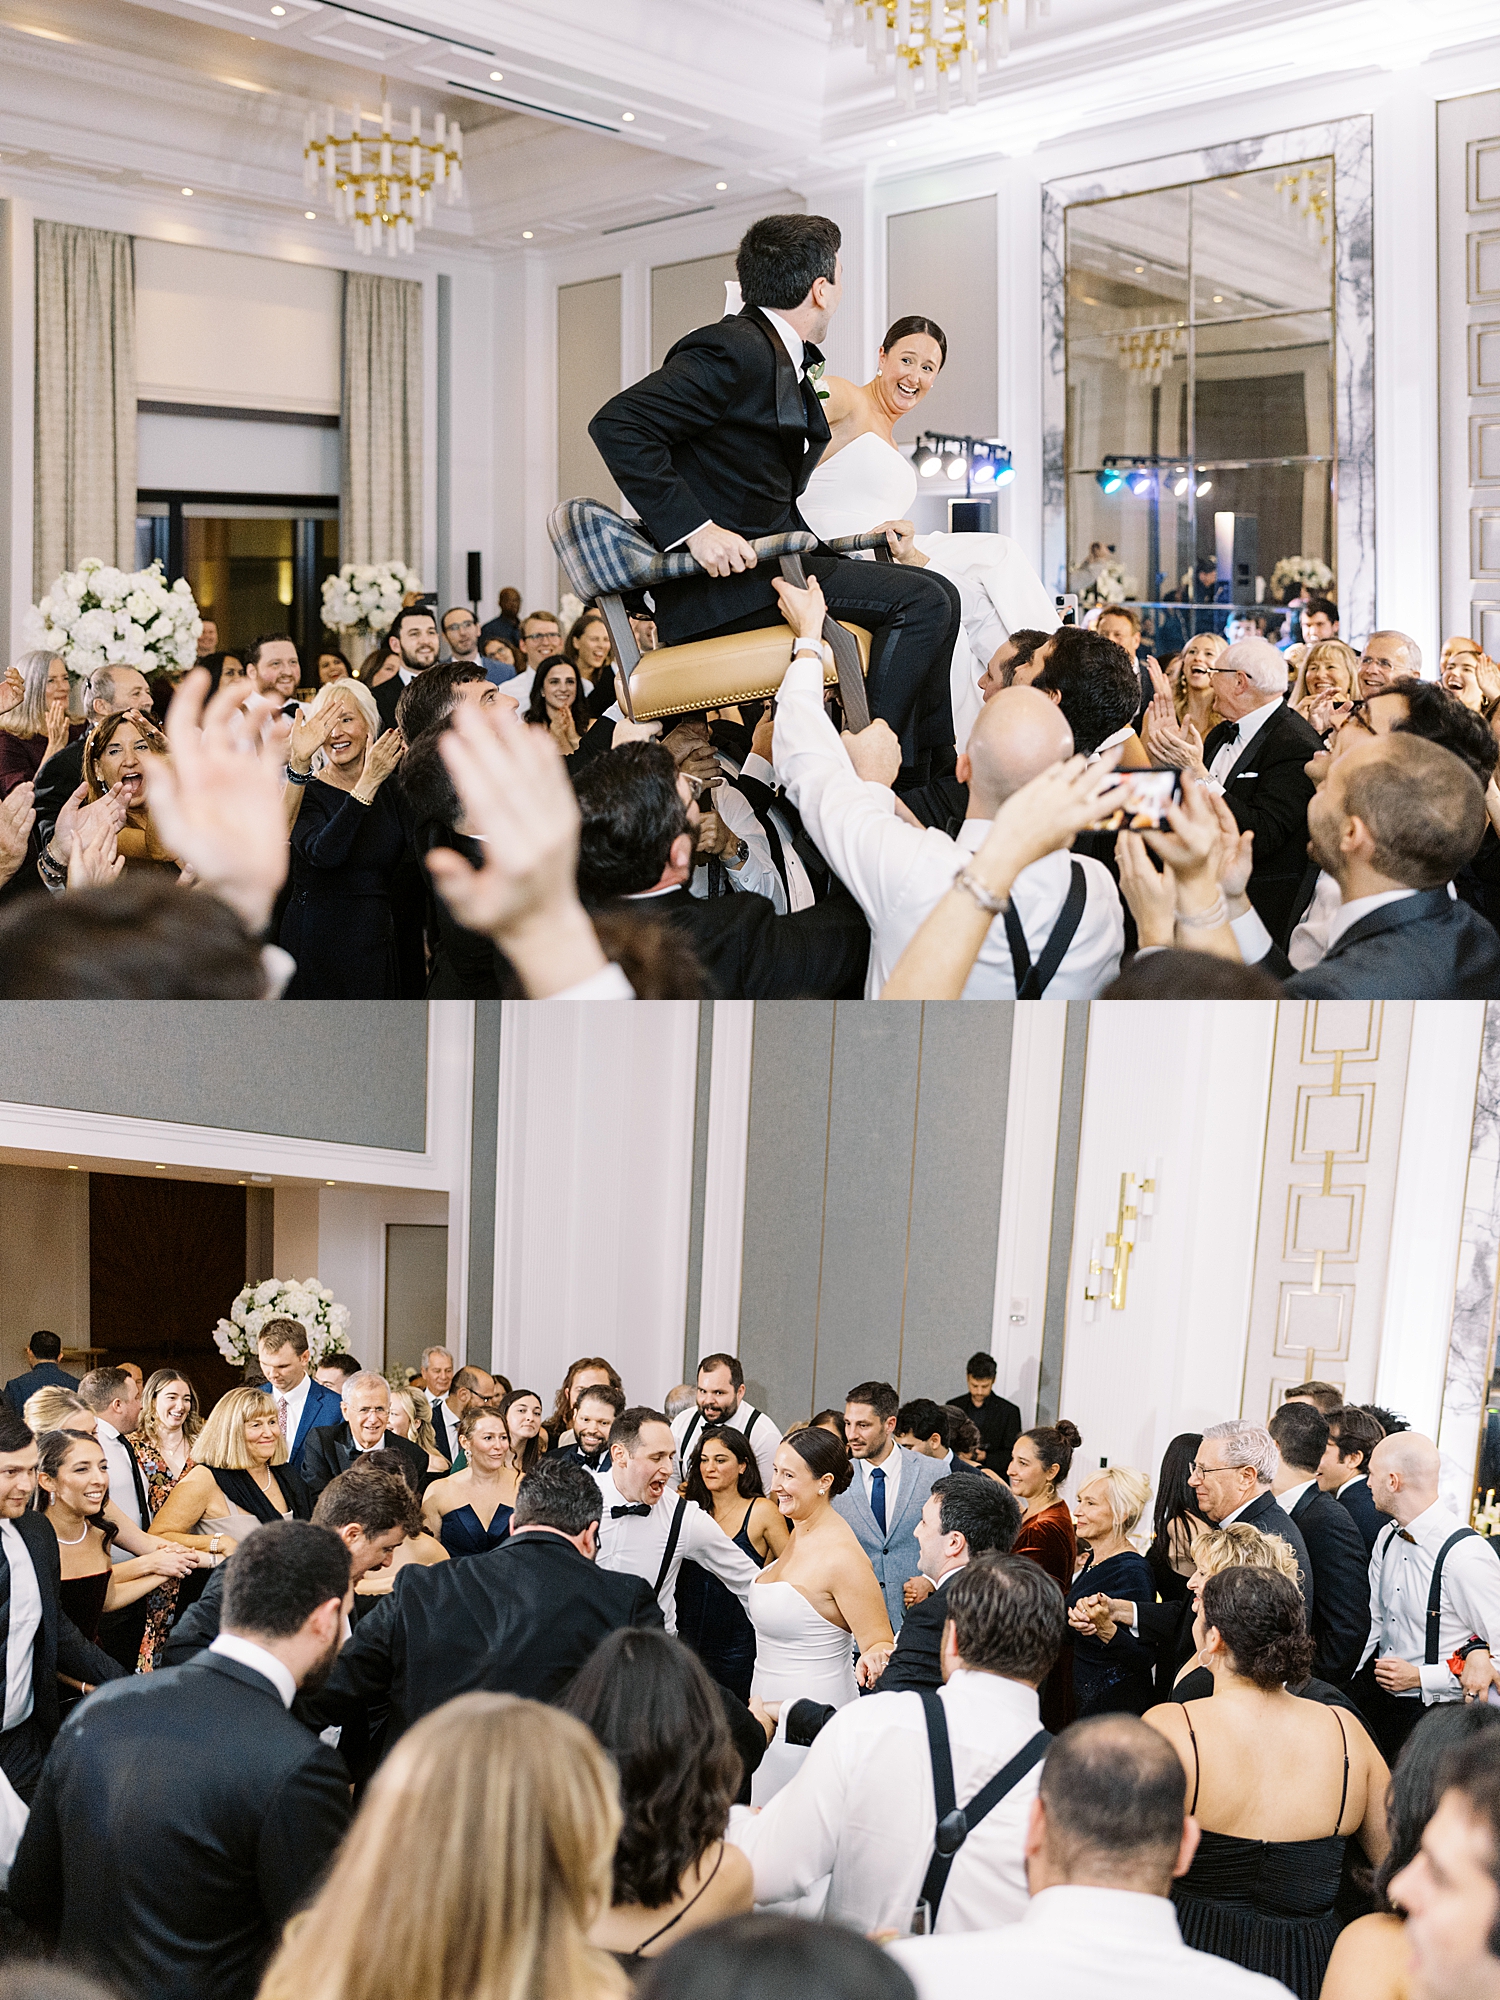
[(815, 376)]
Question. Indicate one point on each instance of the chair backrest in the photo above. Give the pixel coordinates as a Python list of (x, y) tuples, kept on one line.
[(601, 551)]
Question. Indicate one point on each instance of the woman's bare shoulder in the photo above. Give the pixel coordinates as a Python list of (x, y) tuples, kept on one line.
[(1369, 1961), (734, 1885)]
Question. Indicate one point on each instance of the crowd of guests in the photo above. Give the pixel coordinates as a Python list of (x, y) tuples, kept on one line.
[(468, 813), (277, 1673)]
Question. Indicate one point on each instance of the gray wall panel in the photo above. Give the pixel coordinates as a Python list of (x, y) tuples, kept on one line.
[(784, 1176), (871, 1130), (955, 1224), (1064, 1199), (353, 1075), (484, 1129)]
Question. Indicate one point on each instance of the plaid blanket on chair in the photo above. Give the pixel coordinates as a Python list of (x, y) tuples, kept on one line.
[(601, 552)]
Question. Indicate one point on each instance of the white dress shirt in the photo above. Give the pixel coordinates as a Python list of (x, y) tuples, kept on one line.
[(860, 1815), (1325, 919), (799, 882), (756, 874), (25, 1621), (233, 1647), (289, 1409), (1400, 1578), (1065, 1939), (636, 1543), (897, 873), (119, 1457), (763, 1435), (1288, 1500), (1246, 730), (891, 1467)]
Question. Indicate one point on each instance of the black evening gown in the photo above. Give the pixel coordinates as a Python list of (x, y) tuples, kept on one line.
[(1267, 1905), (1117, 1678), (711, 1619), (339, 924)]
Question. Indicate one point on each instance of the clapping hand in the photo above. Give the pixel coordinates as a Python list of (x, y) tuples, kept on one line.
[(381, 758), (95, 859), (1150, 892), (12, 690), (1190, 841), (215, 798), (17, 817), (57, 724), (517, 798), (1236, 854), (310, 731)]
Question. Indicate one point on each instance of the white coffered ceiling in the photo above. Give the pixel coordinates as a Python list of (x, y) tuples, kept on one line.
[(586, 116)]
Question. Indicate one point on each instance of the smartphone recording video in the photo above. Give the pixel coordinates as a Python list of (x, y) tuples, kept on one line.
[(1067, 608), (1141, 801)]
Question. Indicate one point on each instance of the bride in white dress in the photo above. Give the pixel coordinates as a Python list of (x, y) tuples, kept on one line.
[(863, 482), (815, 1604)]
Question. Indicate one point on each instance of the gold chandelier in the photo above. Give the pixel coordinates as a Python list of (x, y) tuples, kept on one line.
[(1308, 194), (382, 185), (1148, 351), (930, 42)]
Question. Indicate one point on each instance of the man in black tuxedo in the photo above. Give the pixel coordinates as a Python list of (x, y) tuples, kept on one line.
[(636, 857), (716, 446), (964, 1516), (1345, 1469), (997, 1421), (1231, 1477), (1341, 1563), (1394, 820), (32, 1623), (181, 1890), (1257, 757), (333, 1448), (519, 1619)]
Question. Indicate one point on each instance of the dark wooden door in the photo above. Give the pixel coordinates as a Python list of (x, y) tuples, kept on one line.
[(165, 1261)]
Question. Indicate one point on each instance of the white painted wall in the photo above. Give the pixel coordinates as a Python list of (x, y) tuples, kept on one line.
[(593, 1191), (1024, 1245), (1186, 1084), (351, 1254)]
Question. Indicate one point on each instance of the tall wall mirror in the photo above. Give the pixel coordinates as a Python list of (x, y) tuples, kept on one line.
[(1208, 382)]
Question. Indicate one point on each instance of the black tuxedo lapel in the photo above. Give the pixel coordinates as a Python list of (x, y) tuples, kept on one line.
[(799, 412), (1217, 737), (1420, 908)]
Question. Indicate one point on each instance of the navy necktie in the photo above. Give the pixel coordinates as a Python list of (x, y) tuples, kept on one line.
[(877, 1496)]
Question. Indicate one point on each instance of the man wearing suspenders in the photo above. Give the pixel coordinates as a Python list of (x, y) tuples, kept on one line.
[(721, 1400), (1434, 1597)]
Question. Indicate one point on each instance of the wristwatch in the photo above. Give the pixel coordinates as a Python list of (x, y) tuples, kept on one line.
[(738, 855)]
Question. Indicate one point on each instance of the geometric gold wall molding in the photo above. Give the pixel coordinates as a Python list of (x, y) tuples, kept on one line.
[(1332, 1135)]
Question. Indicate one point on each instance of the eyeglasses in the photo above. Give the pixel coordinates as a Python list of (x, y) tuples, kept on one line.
[(1197, 1471), (698, 786), (1223, 670)]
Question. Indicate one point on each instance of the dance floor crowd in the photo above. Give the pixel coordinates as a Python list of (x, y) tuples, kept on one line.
[(362, 1687)]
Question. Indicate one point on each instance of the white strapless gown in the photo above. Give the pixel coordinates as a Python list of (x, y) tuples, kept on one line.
[(799, 1656), (869, 481)]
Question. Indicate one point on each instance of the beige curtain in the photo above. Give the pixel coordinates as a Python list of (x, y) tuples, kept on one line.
[(85, 400), (381, 517)]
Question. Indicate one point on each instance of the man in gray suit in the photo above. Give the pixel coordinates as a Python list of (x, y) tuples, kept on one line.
[(884, 1500)]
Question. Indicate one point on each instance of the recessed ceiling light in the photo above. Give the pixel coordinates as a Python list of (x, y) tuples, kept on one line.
[(71, 1168), (721, 185), (278, 11), (497, 76), (527, 234), (627, 117), (1140, 268), (187, 190), (160, 1168), (330, 1183), (309, 215), (1218, 298)]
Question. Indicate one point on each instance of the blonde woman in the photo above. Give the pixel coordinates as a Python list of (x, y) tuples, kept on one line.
[(1329, 669), (1194, 701), (1469, 673), (411, 1418), (115, 755), (163, 1446), (41, 711), (239, 1479), (1111, 1677), (406, 1915)]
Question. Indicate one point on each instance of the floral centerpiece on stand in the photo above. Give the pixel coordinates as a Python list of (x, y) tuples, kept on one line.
[(303, 1299), (1111, 585), (1300, 576), (96, 616), (360, 602)]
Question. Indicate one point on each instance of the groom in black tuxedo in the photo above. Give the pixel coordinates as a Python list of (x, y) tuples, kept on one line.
[(718, 444)]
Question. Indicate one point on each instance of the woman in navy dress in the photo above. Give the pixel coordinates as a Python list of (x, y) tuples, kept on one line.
[(725, 1481), (470, 1511), (348, 841), (1113, 1677)]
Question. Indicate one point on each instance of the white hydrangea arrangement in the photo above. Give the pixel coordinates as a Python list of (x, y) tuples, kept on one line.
[(1304, 573), (1111, 585), (96, 616), (367, 594), (301, 1299)]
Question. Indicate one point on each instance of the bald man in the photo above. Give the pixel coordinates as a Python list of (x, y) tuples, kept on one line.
[(1064, 932), (1388, 656), (1427, 1549)]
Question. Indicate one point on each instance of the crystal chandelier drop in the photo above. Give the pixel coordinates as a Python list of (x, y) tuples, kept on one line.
[(930, 42), (382, 185), (1148, 352)]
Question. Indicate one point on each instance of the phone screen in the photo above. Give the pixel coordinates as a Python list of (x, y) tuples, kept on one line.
[(1141, 801)]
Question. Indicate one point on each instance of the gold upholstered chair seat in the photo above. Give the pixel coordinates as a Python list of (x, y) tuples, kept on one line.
[(719, 672)]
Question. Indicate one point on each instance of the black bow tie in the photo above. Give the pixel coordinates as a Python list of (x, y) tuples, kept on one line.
[(811, 355), (619, 1513)]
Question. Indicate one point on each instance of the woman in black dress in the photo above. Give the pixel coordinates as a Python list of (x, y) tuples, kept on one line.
[(1113, 1677), (559, 703), (348, 841), (1278, 1785), (725, 1481)]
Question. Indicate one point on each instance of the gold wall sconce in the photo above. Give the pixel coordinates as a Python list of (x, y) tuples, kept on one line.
[(1109, 1256)]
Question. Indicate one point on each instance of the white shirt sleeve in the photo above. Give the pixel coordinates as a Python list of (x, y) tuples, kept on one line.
[(610, 984), (704, 1541), (793, 1841), (853, 824), (1471, 1584), (764, 1438), (1252, 937)]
